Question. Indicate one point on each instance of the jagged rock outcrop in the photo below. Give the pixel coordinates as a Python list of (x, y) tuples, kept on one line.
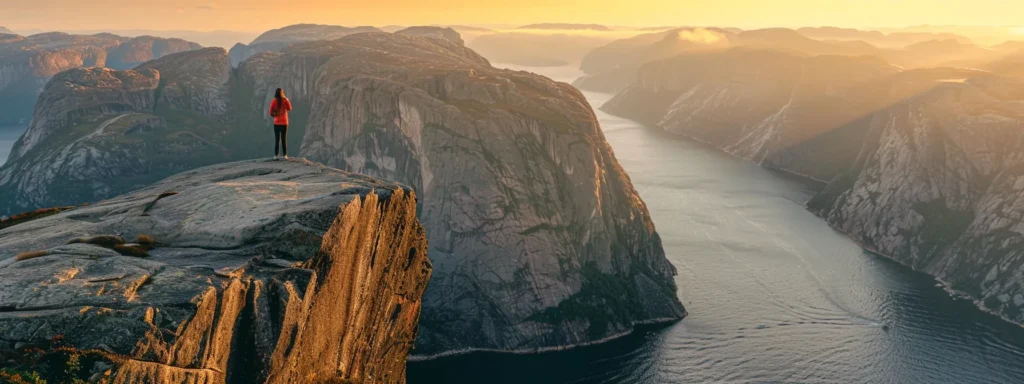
[(538, 239), (938, 185), (27, 63), (97, 132), (277, 39), (260, 271), (435, 33)]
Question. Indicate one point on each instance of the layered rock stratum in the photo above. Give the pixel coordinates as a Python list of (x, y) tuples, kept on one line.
[(258, 271), (27, 63), (922, 165), (538, 238)]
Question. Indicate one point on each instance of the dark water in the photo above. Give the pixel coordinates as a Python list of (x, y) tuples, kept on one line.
[(8, 135), (774, 294)]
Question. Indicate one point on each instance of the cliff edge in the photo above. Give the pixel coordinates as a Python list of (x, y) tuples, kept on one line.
[(257, 271)]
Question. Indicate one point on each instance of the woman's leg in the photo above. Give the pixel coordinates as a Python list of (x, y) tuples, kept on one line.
[(284, 140), (277, 139)]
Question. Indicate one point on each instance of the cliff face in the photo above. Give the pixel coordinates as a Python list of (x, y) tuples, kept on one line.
[(98, 132), (538, 238), (27, 63), (938, 186), (261, 271), (277, 39), (924, 166)]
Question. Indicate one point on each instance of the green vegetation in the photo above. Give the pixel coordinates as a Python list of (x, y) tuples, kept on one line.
[(54, 363)]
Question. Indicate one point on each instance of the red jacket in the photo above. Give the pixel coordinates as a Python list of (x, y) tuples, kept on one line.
[(280, 114)]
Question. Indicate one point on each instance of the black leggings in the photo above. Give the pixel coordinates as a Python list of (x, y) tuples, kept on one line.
[(281, 139)]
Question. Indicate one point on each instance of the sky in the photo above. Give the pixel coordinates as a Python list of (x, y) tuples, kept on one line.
[(248, 15)]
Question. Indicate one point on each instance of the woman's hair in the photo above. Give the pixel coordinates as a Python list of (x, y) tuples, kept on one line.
[(279, 96)]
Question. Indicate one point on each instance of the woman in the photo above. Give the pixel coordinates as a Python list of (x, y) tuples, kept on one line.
[(279, 108)]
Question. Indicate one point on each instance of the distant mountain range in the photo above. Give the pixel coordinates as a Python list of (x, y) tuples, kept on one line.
[(566, 26), (29, 62), (613, 66), (221, 38)]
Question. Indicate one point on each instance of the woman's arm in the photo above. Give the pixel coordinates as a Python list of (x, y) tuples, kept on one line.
[(287, 105), (273, 107)]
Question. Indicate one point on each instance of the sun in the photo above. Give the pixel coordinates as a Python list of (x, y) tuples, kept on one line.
[(1018, 31)]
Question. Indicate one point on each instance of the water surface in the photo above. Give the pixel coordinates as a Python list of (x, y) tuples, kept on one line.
[(774, 294)]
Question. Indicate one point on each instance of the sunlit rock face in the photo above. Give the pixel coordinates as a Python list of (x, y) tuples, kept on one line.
[(277, 39), (538, 238), (261, 271), (27, 63)]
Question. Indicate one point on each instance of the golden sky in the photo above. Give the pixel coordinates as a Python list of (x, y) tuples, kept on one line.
[(249, 15)]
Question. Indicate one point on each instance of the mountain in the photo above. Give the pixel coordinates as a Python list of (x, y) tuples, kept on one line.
[(241, 273), (612, 67), (923, 166), (27, 63), (538, 238), (938, 186), (435, 33), (1011, 65), (944, 53), (4, 30), (757, 104), (878, 38), (145, 48), (97, 132), (568, 27), (276, 39)]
